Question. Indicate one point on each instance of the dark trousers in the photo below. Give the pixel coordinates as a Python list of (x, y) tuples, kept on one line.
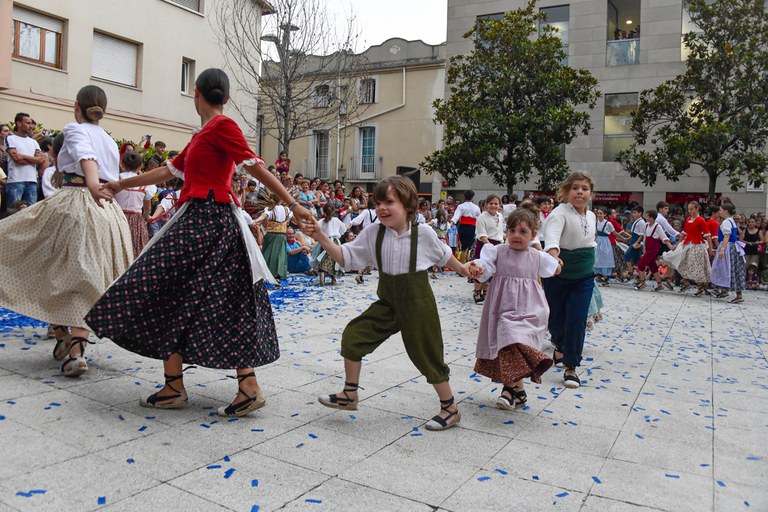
[(568, 301)]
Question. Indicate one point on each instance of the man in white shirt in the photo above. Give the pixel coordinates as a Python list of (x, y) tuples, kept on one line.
[(24, 157), (662, 210)]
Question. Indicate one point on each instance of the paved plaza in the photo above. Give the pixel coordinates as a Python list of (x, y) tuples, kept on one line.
[(673, 415)]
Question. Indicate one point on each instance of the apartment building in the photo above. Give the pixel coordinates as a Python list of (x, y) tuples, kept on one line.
[(629, 46), (390, 131), (145, 54)]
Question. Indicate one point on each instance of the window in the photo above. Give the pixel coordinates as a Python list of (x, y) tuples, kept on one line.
[(322, 96), (187, 75), (368, 150), (37, 37), (343, 89), (115, 59), (322, 140), (618, 134), (368, 90), (558, 18), (486, 17), (192, 5), (623, 46)]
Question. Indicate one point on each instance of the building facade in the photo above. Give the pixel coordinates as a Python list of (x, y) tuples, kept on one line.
[(629, 46), (144, 54), (390, 131)]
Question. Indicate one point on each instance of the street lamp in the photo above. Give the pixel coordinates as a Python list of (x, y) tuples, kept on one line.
[(283, 51)]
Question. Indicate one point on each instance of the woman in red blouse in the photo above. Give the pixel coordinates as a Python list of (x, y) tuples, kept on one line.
[(177, 301), (694, 265)]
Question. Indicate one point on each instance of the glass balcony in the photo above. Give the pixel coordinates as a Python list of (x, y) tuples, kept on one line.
[(623, 52)]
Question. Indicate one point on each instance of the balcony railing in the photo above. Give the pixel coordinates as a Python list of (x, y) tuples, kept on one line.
[(370, 171), (622, 52)]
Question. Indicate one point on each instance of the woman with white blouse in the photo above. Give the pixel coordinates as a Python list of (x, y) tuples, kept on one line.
[(488, 230), (58, 256)]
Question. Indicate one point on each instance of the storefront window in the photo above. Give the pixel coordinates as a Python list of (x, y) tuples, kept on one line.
[(617, 134)]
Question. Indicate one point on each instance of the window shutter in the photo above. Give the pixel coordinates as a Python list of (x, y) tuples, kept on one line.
[(114, 59), (38, 20), (189, 4)]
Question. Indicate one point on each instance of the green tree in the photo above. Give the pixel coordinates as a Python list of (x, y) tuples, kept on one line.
[(713, 117), (512, 104)]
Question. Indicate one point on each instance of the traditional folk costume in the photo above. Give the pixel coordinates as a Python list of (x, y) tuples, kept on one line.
[(514, 320), (618, 252), (728, 272), (569, 293), (491, 227), (465, 217), (275, 252), (654, 236), (334, 229), (604, 261), (198, 288), (131, 200), (58, 256), (636, 230), (405, 302), (691, 258)]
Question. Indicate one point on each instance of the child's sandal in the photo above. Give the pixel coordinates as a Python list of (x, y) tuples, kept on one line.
[(477, 296), (440, 423), (508, 404), (347, 403), (243, 407)]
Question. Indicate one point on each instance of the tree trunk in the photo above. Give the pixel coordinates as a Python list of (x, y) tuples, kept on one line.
[(712, 184)]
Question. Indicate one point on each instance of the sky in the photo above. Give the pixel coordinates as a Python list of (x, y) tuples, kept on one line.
[(378, 20)]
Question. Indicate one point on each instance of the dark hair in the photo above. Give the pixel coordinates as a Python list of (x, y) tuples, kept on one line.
[(652, 214), (131, 161), (93, 102), (58, 142), (213, 84), (405, 191), (661, 204), (491, 197), (729, 208), (328, 210), (160, 143), (371, 203), (542, 199), (638, 209), (46, 144), (522, 216), (468, 195), (20, 117), (172, 153)]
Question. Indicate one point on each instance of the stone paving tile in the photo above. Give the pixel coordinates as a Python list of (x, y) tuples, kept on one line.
[(672, 416)]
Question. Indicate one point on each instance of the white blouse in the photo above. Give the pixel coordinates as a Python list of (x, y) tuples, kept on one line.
[(86, 141), (334, 228), (132, 199), (395, 250), (566, 228), (490, 226), (465, 209)]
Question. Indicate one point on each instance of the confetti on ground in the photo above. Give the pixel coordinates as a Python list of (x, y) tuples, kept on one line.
[(31, 493), (562, 495), (102, 500), (501, 471), (254, 483), (483, 478), (228, 473), (308, 500)]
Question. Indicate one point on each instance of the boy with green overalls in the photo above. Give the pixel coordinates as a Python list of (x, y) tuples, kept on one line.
[(403, 252)]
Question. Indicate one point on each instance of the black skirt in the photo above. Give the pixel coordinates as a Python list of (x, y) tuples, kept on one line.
[(191, 293)]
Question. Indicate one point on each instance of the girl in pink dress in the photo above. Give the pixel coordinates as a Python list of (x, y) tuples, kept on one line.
[(515, 312)]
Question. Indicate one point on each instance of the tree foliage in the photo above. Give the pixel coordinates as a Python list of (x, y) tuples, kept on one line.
[(295, 63), (713, 116), (512, 104)]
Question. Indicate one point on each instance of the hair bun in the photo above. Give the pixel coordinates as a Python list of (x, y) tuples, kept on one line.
[(94, 113), (216, 96)]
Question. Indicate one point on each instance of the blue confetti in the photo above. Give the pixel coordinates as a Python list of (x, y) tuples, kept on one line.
[(130, 461), (102, 500), (535, 477), (257, 430), (143, 428), (228, 473), (254, 483), (596, 480), (483, 478), (561, 495), (313, 501), (670, 475), (721, 483), (313, 436), (213, 466), (255, 508), (226, 458), (31, 493), (501, 471)]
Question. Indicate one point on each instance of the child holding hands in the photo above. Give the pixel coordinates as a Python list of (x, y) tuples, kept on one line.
[(515, 314), (403, 252)]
